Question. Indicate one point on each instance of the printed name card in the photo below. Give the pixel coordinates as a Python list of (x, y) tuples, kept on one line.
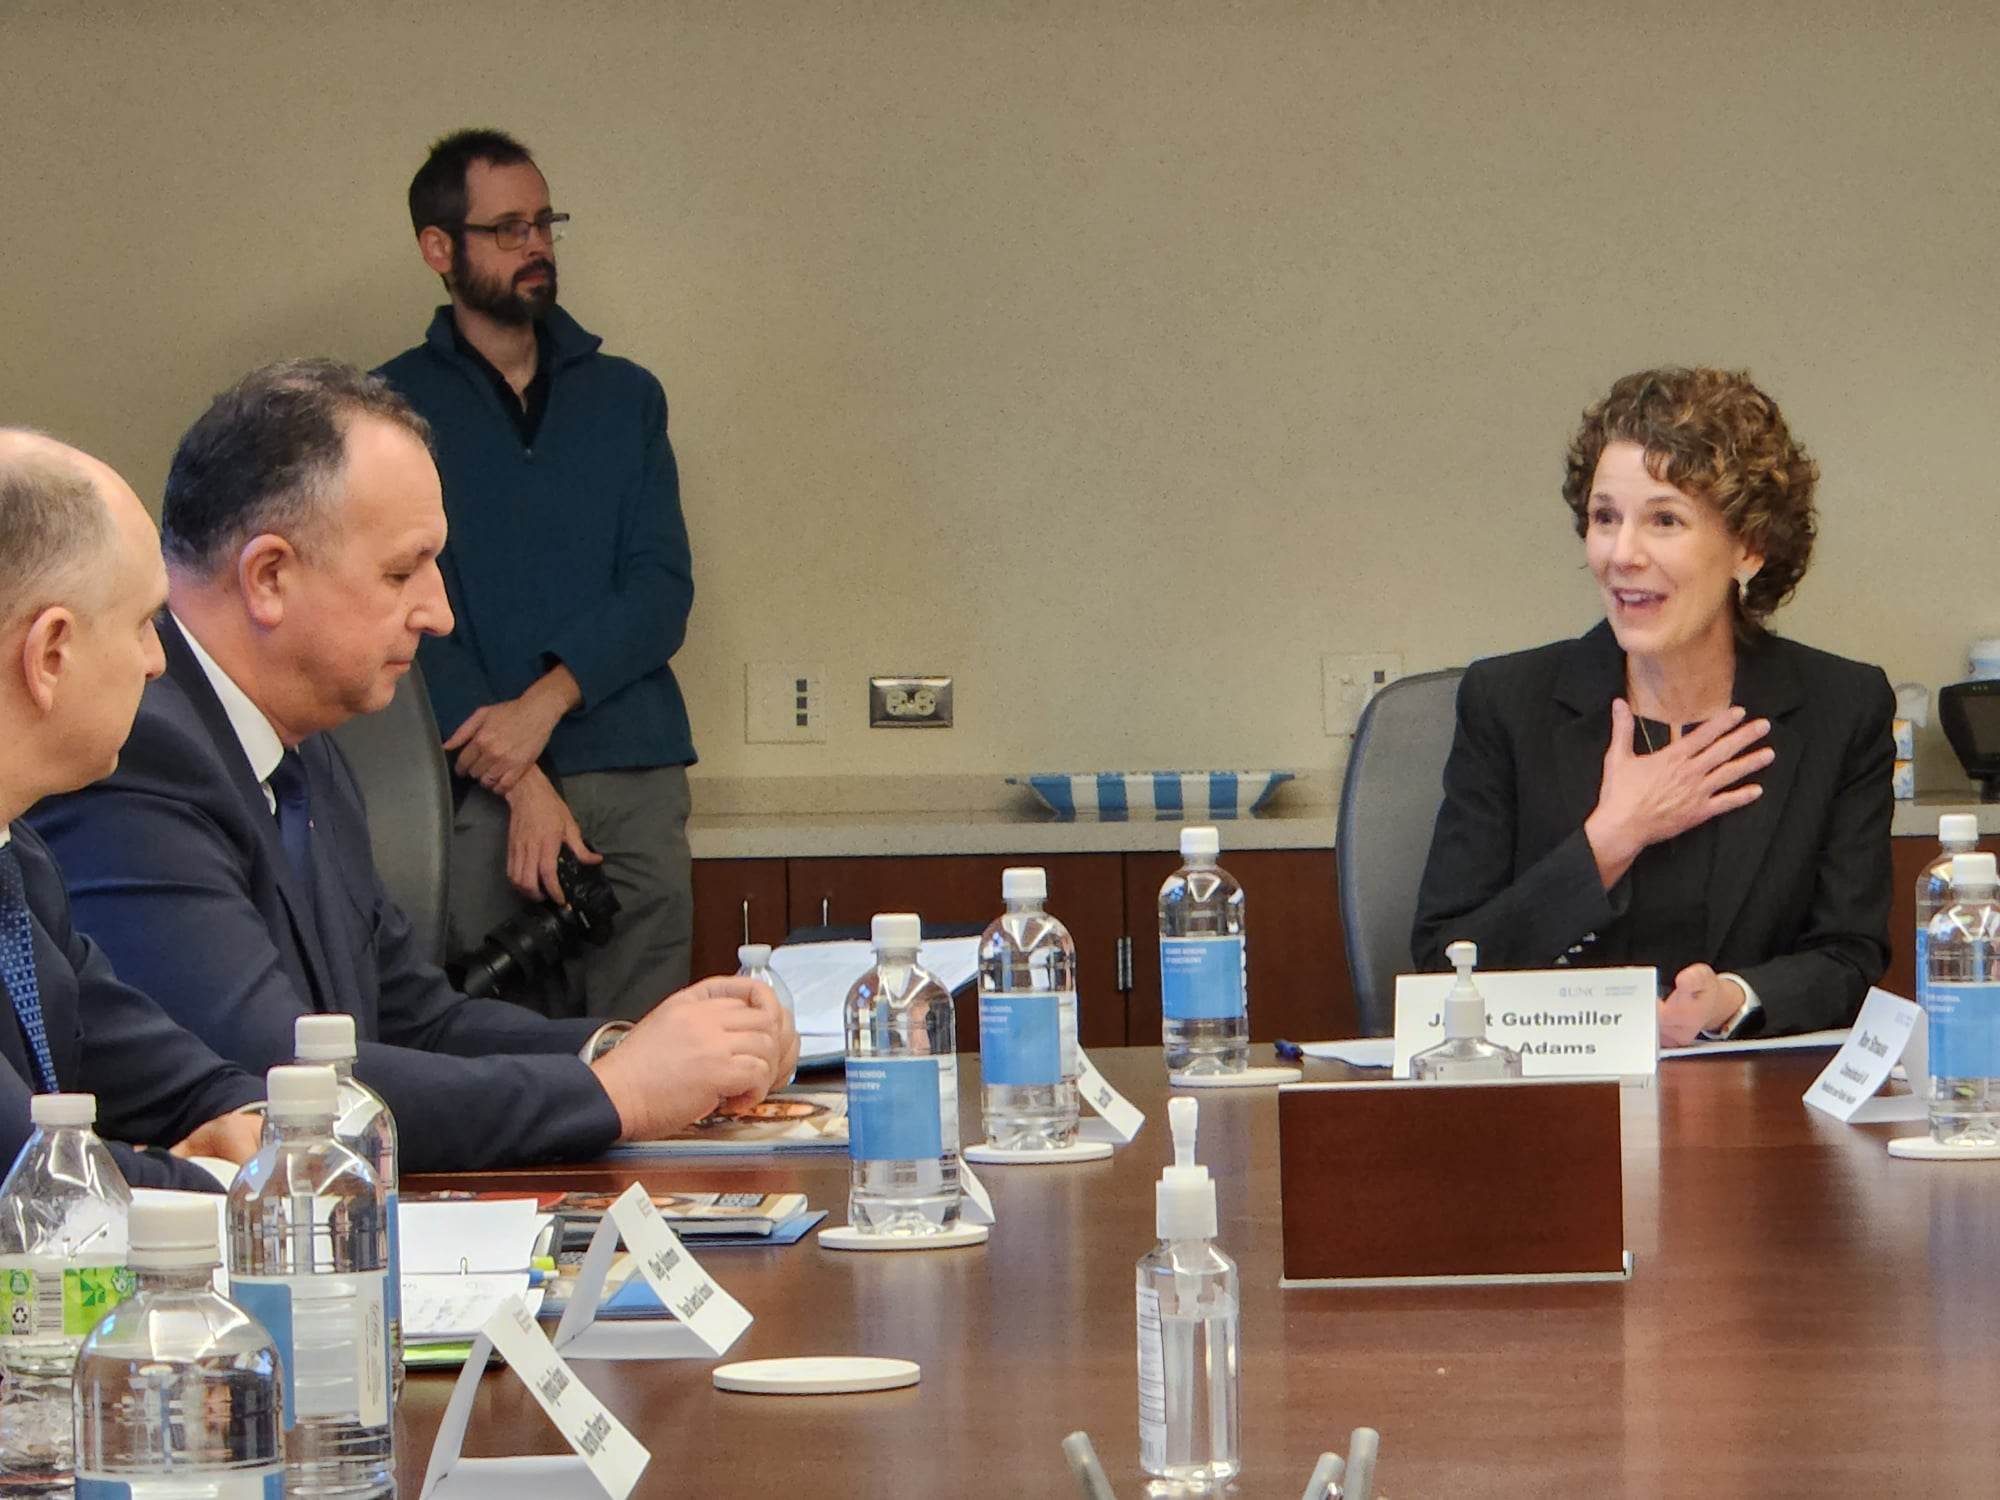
[(603, 1456), (1118, 1118), (1889, 1028), (1566, 1023), (708, 1319)]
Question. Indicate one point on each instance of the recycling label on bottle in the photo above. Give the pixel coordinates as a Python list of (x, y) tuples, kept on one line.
[(894, 1108), (1964, 1029), (59, 1303), (1201, 978), (1021, 1037)]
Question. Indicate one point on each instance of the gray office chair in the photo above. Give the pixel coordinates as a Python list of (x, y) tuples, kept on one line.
[(1388, 806), (398, 758)]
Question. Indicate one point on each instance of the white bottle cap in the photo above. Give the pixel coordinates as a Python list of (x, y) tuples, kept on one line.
[(754, 956), (1200, 844), (1184, 1200), (174, 1229), (1027, 884), (60, 1111), (1972, 872), (897, 932), (298, 1092), (1958, 828), (1464, 1007), (324, 1039)]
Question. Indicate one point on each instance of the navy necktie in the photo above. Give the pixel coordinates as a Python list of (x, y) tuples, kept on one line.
[(17, 965), (288, 786)]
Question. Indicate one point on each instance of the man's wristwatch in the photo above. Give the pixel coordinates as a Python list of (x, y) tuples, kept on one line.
[(604, 1039)]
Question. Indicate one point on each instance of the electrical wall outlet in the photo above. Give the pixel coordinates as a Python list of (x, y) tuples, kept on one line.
[(1348, 682), (781, 703), (909, 703)]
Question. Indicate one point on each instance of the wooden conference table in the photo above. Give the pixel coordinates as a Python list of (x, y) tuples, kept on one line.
[(1807, 1318)]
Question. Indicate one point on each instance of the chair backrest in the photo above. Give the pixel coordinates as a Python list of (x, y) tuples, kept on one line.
[(1388, 806), (399, 760)]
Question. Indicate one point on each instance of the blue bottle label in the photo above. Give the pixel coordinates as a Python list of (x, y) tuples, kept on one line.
[(1201, 978), (1020, 1039), (893, 1109), (1964, 1030), (269, 1301)]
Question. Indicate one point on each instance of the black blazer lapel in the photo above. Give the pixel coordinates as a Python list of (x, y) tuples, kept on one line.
[(1767, 688), (1591, 675), (186, 670)]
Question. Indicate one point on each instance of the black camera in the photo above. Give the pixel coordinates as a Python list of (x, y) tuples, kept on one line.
[(529, 947)]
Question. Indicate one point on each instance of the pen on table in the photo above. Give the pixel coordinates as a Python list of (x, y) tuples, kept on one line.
[(1090, 1477), (1289, 1051)]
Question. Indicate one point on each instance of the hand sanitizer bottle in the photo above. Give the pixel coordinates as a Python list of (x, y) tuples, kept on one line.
[(1204, 1004), (1188, 1328), (902, 1091), (1465, 1054)]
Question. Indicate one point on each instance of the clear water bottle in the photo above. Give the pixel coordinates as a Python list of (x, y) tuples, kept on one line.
[(63, 1213), (1027, 1021), (753, 961), (308, 1258), (1962, 995), (1204, 1003), (178, 1391), (1189, 1329), (1958, 833), (1465, 1053), (902, 1091), (365, 1126)]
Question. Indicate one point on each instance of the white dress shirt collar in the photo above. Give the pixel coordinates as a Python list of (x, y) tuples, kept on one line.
[(254, 732)]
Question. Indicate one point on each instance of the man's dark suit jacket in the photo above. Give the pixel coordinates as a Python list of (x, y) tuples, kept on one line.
[(154, 1082), (175, 865), (1799, 903)]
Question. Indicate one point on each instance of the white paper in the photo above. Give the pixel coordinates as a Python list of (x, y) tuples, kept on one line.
[(978, 1205), (819, 975), (1846, 1087), (1567, 1023), (439, 1309), (1118, 1118), (582, 1335), (605, 1456), (1356, 1052), (1799, 1042), (477, 1236)]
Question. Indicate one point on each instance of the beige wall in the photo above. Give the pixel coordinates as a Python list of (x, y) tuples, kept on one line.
[(1116, 358)]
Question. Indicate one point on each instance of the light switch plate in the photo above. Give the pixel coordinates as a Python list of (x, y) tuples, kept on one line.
[(781, 703), (909, 703)]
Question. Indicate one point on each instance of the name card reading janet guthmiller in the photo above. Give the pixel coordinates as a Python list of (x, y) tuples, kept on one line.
[(1566, 1023), (603, 1451)]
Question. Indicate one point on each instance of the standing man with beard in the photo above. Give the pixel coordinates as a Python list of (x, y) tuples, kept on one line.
[(569, 572)]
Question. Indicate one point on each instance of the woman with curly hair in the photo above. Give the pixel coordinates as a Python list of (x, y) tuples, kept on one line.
[(1678, 787)]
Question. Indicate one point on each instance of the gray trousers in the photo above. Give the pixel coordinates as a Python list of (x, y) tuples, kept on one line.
[(638, 821)]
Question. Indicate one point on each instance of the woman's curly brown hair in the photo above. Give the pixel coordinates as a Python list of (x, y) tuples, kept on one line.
[(1714, 435)]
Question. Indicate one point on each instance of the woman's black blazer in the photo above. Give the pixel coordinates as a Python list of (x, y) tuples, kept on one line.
[(1799, 904)]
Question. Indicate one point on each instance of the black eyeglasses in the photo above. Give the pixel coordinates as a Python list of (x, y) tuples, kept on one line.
[(512, 234)]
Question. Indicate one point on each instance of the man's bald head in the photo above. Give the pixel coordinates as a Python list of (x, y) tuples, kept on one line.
[(57, 526)]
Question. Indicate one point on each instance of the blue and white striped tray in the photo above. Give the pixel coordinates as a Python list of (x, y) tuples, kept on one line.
[(1182, 796)]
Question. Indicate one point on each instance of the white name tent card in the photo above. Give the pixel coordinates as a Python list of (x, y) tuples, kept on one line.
[(1883, 1033), (604, 1456), (1566, 1023), (707, 1320), (1118, 1118), (978, 1205)]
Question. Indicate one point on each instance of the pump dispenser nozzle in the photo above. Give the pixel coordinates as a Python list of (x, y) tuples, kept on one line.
[(1184, 1201), (1464, 1009)]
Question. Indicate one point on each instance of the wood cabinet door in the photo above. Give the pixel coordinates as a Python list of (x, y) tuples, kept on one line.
[(1299, 987), (728, 894), (1086, 893), (1908, 855)]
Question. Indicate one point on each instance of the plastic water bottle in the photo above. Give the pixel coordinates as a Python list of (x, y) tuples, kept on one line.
[(1959, 834), (1027, 1021), (753, 961), (1189, 1323), (1465, 1053), (902, 1091), (178, 1390), (63, 1212), (1204, 1004), (1962, 999), (308, 1258), (365, 1126)]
